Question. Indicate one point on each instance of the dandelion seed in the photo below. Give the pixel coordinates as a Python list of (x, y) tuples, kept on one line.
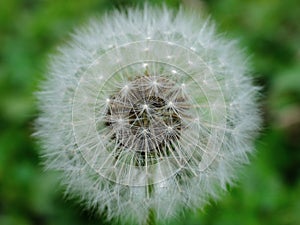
[(142, 126), (193, 48), (174, 71)]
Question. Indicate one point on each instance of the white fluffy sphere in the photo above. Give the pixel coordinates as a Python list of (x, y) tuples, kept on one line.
[(147, 111)]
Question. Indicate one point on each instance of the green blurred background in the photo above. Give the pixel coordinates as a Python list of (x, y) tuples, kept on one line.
[(268, 191)]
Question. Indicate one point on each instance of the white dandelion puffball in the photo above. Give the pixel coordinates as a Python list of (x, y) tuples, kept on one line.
[(147, 112)]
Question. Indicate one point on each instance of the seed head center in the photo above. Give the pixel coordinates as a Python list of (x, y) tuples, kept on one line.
[(151, 121)]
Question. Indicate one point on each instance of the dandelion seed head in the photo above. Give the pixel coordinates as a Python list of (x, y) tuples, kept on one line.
[(147, 98)]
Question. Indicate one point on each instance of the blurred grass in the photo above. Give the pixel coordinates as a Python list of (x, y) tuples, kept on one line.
[(269, 189)]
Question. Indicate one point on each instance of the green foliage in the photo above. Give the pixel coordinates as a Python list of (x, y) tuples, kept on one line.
[(269, 189)]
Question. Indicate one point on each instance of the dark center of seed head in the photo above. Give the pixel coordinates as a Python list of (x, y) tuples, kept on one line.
[(142, 118)]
